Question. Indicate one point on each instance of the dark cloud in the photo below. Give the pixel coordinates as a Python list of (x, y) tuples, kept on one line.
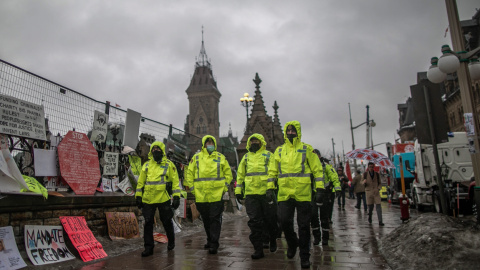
[(314, 57)]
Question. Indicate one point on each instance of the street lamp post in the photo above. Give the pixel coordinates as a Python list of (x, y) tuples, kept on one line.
[(370, 123), (246, 102), (451, 62)]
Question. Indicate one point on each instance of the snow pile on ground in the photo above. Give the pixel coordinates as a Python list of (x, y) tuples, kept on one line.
[(433, 241)]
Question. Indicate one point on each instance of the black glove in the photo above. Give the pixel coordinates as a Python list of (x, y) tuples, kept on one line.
[(239, 197), (176, 202), (138, 201), (270, 195), (320, 196), (337, 193)]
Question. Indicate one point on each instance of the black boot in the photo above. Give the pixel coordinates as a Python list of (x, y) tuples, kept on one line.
[(316, 240), (206, 246), (170, 246), (212, 250), (266, 244), (258, 254), (273, 245), (291, 251), (147, 252), (305, 263)]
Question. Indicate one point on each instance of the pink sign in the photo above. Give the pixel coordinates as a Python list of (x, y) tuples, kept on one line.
[(79, 164), (82, 238)]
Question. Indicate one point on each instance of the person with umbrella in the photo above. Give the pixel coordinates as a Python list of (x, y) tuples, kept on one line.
[(373, 184)]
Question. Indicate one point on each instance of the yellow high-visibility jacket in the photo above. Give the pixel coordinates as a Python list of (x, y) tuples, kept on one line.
[(331, 177), (208, 175), (152, 182), (252, 172), (292, 164)]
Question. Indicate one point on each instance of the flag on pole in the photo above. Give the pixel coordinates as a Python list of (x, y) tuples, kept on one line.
[(446, 31), (348, 172), (118, 106)]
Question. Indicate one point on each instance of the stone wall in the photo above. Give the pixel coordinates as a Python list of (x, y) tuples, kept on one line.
[(20, 210)]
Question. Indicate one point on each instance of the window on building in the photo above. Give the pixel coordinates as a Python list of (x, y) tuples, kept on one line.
[(198, 129), (204, 129)]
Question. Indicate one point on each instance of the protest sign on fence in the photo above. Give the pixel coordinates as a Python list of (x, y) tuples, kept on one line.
[(9, 256), (100, 127), (122, 225), (79, 164), (46, 244), (111, 164), (82, 238)]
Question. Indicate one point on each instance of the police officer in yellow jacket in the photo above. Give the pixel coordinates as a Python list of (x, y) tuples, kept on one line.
[(151, 193), (293, 163), (208, 177), (252, 179), (332, 186)]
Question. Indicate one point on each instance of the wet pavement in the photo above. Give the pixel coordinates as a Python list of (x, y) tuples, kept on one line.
[(353, 244)]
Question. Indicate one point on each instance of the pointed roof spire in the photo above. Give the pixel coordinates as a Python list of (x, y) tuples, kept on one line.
[(202, 59), (258, 104)]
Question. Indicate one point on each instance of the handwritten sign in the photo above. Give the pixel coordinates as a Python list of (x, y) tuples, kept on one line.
[(11, 179), (111, 164), (46, 244), (9, 256), (21, 118), (79, 164), (100, 127), (159, 237), (82, 238), (122, 225)]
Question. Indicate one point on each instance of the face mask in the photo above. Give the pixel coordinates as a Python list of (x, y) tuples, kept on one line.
[(157, 156), (254, 147), (291, 136), (210, 148)]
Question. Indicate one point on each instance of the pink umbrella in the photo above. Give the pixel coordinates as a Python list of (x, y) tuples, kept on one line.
[(371, 156)]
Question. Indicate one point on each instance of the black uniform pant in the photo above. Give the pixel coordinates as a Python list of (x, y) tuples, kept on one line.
[(211, 213), (286, 210), (262, 220), (166, 215), (325, 209)]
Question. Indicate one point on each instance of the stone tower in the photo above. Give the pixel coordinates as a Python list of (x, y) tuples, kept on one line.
[(260, 122), (204, 98)]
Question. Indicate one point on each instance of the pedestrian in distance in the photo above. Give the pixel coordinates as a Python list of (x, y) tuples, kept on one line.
[(359, 190), (351, 188), (332, 187), (344, 185), (251, 186), (152, 194), (292, 164), (373, 184), (208, 178)]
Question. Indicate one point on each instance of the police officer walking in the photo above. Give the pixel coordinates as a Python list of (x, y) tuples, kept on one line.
[(208, 177), (292, 164), (252, 185), (332, 186), (151, 193)]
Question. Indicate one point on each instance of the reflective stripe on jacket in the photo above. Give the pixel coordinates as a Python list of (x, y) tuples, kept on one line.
[(252, 172), (208, 175), (292, 164), (152, 182)]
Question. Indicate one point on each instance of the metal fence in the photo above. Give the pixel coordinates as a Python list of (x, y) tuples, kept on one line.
[(67, 109)]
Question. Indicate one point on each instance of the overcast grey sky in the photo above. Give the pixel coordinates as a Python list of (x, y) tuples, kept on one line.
[(313, 56)]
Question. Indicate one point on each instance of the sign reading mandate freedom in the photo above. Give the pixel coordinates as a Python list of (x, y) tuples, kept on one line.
[(21, 118)]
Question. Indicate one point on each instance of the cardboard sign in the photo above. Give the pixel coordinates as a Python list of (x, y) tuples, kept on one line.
[(46, 244), (122, 225), (82, 238), (195, 213), (11, 179), (45, 162), (22, 118), (111, 164), (100, 127), (106, 185), (181, 212), (9, 256), (79, 164), (132, 127), (161, 238)]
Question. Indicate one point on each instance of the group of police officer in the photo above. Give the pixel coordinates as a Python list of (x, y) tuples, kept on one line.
[(295, 177)]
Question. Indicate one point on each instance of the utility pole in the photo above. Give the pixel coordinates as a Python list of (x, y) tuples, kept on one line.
[(334, 159), (368, 127), (353, 141)]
